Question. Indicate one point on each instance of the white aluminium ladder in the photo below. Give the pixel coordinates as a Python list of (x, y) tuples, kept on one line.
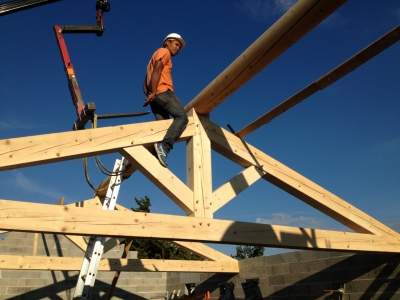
[(94, 251)]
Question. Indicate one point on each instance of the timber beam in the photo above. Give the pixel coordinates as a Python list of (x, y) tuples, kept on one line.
[(290, 28), (48, 148), (33, 217), (334, 75), (13, 262)]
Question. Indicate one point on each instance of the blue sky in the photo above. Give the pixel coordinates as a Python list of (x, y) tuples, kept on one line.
[(346, 138)]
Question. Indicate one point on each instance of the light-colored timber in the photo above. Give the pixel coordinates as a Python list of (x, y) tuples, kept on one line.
[(163, 178), (292, 26), (198, 165), (235, 186), (72, 220), (334, 75), (55, 147), (204, 251), (13, 262)]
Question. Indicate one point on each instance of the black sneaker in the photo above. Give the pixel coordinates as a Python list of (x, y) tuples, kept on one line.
[(161, 154)]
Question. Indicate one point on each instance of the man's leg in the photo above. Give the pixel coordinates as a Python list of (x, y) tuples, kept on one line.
[(170, 103)]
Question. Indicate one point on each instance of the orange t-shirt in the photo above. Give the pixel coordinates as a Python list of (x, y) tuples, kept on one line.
[(165, 82)]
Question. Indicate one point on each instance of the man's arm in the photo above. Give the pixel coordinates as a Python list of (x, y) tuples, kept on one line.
[(154, 80), (145, 90)]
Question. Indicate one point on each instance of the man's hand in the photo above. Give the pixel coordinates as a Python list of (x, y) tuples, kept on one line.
[(150, 98)]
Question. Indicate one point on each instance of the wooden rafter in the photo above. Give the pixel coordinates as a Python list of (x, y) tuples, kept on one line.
[(55, 147), (292, 26), (334, 75)]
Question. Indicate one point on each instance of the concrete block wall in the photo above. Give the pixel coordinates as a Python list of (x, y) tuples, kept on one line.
[(306, 274), (32, 285), (294, 275)]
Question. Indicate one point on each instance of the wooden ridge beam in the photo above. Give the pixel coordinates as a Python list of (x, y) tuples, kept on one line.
[(33, 217), (291, 27), (47, 148), (340, 71), (295, 184), (13, 262)]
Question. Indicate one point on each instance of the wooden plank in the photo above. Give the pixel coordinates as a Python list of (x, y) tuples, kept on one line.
[(35, 243), (93, 203), (198, 165), (33, 217), (340, 71), (235, 186), (290, 28), (299, 186), (13, 262), (78, 241), (49, 148), (204, 251), (60, 202), (162, 177)]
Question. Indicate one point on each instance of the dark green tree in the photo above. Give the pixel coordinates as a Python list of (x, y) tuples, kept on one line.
[(158, 249), (243, 252)]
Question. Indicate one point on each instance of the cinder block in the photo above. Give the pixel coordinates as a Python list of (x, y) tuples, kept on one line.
[(291, 257), (281, 269), (35, 282), (153, 281), (11, 274), (313, 266), (341, 262), (276, 280), (298, 267), (290, 279), (30, 274), (189, 277), (17, 234), (267, 291), (19, 290), (6, 282), (13, 250), (307, 255), (275, 259), (151, 274), (55, 275), (11, 242), (135, 281)]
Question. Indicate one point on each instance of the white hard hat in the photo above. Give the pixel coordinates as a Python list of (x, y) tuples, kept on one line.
[(175, 36)]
